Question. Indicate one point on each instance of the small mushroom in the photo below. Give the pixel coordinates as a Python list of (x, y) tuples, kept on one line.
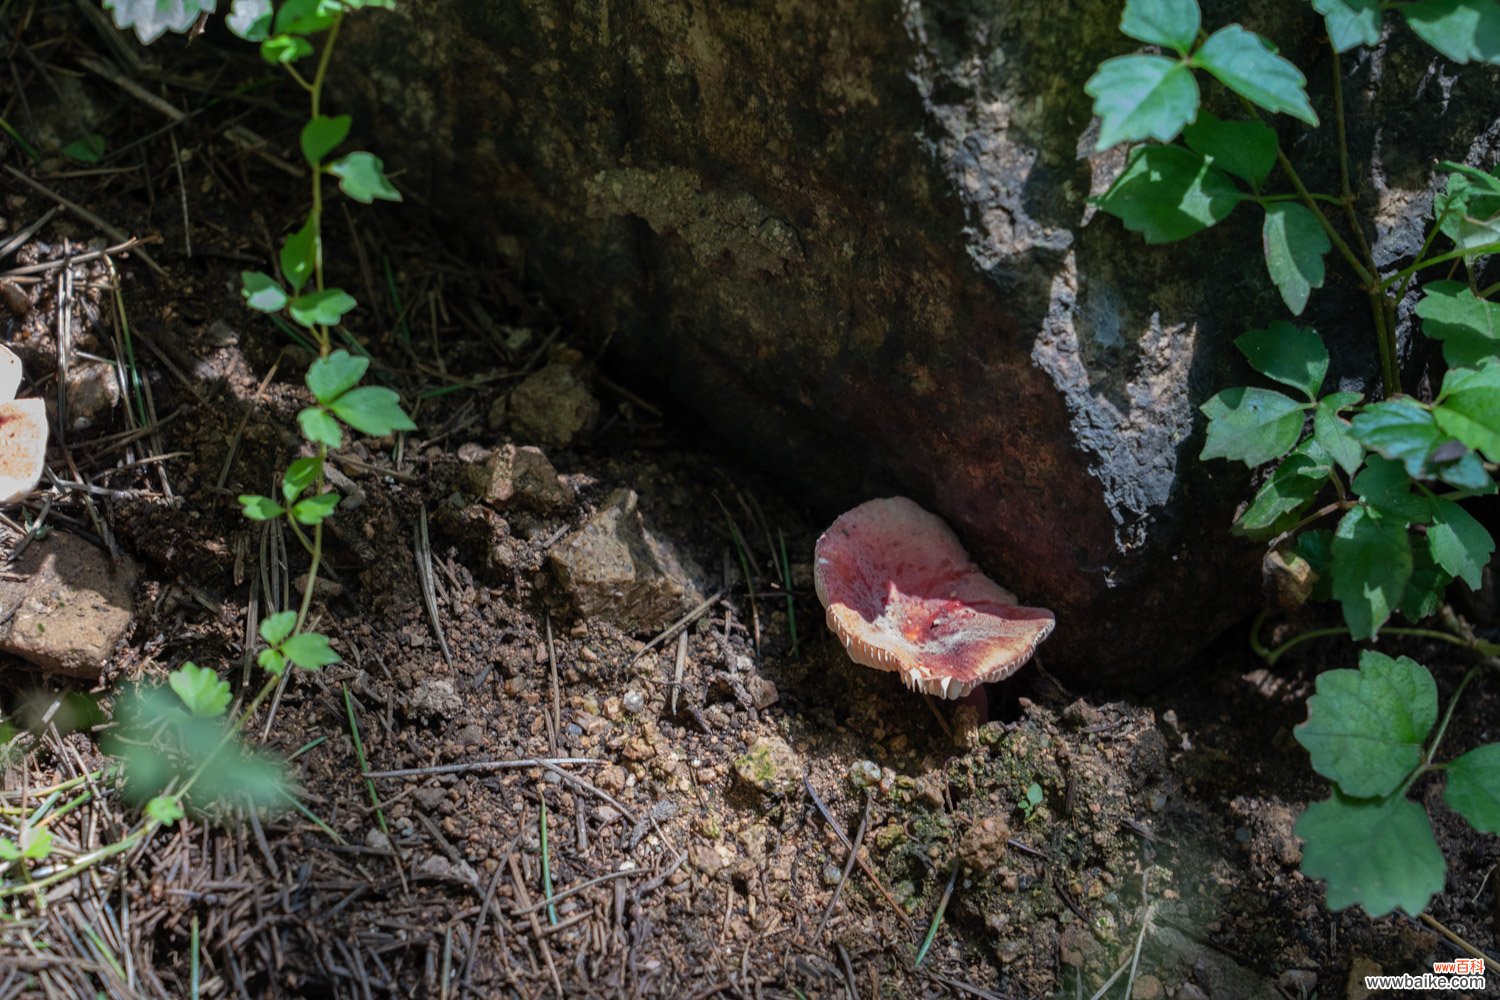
[(903, 595), (23, 433)]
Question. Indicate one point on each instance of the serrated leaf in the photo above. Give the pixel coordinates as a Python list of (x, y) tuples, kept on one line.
[(271, 661), (1142, 97), (261, 292), (362, 177), (314, 509), (299, 256), (1289, 490), (1468, 210), (1468, 407), (1291, 355), (1247, 65), (309, 650), (319, 427), (1251, 425), (324, 308), (1462, 30), (331, 377), (1385, 486), (1350, 22), (250, 19), (1400, 429), (165, 809), (1465, 473), (150, 19), (1377, 853), (373, 410), (1474, 787), (1168, 193), (306, 17), (1468, 326), (301, 474), (274, 629), (200, 689), (1425, 588), (1336, 437), (1460, 544), (259, 508), (1371, 564), (1245, 149), (1293, 242), (321, 135), (1172, 23), (1365, 728), (281, 50)]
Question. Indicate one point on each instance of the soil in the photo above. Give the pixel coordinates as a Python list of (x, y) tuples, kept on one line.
[(702, 787)]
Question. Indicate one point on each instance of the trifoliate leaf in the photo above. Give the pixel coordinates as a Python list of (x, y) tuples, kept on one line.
[(1142, 97), (1336, 437), (1400, 429), (1462, 30), (1468, 407), (1474, 787), (1468, 326), (1172, 23), (259, 508), (153, 18), (331, 377), (301, 474), (373, 410), (309, 650), (1365, 728), (299, 256), (1291, 355), (1460, 544), (319, 427), (261, 292), (323, 308), (165, 809), (1350, 22), (362, 177), (314, 509), (1249, 66), (1289, 490), (250, 19), (1371, 564), (1294, 243), (1377, 853), (1168, 193), (1245, 149), (1251, 425), (274, 629), (1385, 486), (321, 135), (281, 50), (200, 689)]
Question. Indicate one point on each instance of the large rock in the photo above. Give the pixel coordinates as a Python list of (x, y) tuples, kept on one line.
[(64, 606), (855, 236)]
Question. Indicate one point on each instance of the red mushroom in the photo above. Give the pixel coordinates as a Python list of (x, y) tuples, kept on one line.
[(23, 433), (903, 595)]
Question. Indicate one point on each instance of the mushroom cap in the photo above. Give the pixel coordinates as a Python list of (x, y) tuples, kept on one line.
[(903, 595), (23, 447), (10, 374)]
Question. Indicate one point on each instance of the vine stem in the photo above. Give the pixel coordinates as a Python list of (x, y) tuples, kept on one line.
[(1270, 656)]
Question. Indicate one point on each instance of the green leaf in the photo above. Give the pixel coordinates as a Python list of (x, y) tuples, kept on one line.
[(89, 149), (259, 508), (373, 410), (1294, 244), (1378, 853), (362, 177), (261, 292), (301, 474), (1251, 425), (1365, 728), (1466, 472), (271, 661), (1168, 193), (325, 308), (274, 629), (331, 377), (1291, 355), (309, 650), (299, 256), (165, 809), (1350, 22), (314, 509), (1468, 326), (1142, 97), (256, 777), (200, 689), (1245, 149), (1249, 66), (1289, 490), (250, 19), (1171, 23), (1400, 429), (321, 135), (1425, 588), (1460, 544), (1316, 547), (1335, 435), (153, 18), (1468, 407), (306, 17), (1468, 211), (1385, 486), (282, 50), (1474, 787), (1371, 564), (319, 427), (9, 850), (1462, 30)]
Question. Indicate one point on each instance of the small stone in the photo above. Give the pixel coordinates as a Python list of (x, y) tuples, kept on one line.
[(1147, 987), (520, 475), (706, 859), (376, 840), (864, 774), (429, 797), (832, 874), (770, 766), (434, 698), (763, 693), (633, 702), (69, 607), (93, 394), (983, 845), (611, 779), (1298, 982), (554, 405)]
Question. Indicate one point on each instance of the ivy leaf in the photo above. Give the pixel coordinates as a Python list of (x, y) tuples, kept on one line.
[(1245, 149), (1334, 433), (1468, 407), (362, 177), (1474, 787), (298, 256), (1385, 486), (153, 18), (314, 509), (259, 508), (1251, 425), (1171, 23), (331, 377), (1168, 193), (261, 292), (165, 809), (1291, 355), (1460, 544), (373, 410), (1294, 244), (309, 650), (250, 19), (1142, 97), (319, 427), (1350, 22), (1289, 489), (321, 135), (1462, 30), (1371, 564), (323, 308), (1249, 66), (1426, 587), (282, 50), (1400, 429), (1468, 326), (301, 474), (274, 629), (200, 689), (1378, 853), (1365, 728)]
